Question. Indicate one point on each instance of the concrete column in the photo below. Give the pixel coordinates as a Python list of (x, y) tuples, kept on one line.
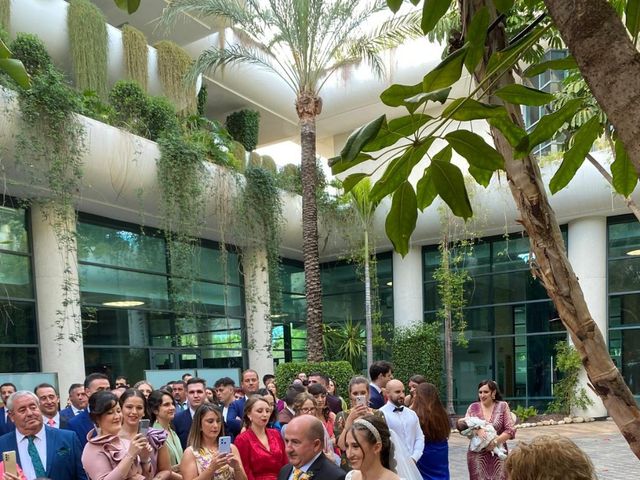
[(55, 265), (258, 305), (407, 288), (588, 256)]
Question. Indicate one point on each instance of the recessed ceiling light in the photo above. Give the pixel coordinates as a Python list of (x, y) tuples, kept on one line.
[(634, 253), (123, 303)]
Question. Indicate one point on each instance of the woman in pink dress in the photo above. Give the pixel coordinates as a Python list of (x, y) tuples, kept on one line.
[(261, 449), (491, 408)]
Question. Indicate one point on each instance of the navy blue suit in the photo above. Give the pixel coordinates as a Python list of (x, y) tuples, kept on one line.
[(236, 409), (5, 427), (63, 453), (376, 400), (66, 414), (182, 425), (82, 425)]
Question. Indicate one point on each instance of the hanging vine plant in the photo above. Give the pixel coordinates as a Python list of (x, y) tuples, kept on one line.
[(50, 147), (136, 55), (173, 65), (5, 14), (88, 44), (180, 174), (260, 207)]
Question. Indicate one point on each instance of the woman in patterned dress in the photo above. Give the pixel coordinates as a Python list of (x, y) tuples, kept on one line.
[(201, 460), (491, 408)]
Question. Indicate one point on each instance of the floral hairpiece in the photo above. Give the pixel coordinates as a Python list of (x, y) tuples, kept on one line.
[(369, 426)]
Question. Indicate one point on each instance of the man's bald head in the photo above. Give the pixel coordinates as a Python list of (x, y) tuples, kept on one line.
[(304, 439), (395, 392)]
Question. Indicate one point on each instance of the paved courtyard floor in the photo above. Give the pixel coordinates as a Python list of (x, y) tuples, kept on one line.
[(601, 440)]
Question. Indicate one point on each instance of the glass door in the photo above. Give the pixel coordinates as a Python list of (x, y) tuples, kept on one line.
[(170, 359)]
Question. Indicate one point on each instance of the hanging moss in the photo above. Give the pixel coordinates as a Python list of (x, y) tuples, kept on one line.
[(5, 14), (88, 42), (135, 55), (173, 64)]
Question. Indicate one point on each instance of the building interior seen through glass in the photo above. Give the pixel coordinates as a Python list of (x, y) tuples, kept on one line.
[(512, 326)]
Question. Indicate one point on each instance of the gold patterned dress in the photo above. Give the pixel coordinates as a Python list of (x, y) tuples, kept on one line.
[(204, 457)]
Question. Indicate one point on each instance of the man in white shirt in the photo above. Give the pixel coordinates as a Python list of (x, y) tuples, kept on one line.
[(403, 420), (49, 404)]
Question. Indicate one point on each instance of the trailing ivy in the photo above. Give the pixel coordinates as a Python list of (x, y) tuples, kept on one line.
[(136, 55), (418, 350), (566, 391), (244, 126), (260, 209), (5, 14), (180, 175), (88, 44), (50, 147), (173, 65), (203, 94)]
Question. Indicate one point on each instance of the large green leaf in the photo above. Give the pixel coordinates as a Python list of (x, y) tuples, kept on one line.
[(6, 53), (15, 69), (505, 59), (446, 73), (521, 95), (449, 184), (503, 5), (395, 130), (361, 137), (574, 157), (395, 95), (465, 109), (549, 125), (440, 96), (476, 36), (394, 5), (352, 180), (566, 63), (624, 175), (481, 175), (512, 132), (632, 17), (129, 6), (432, 12), (338, 165), (426, 189), (478, 153), (399, 170), (402, 218)]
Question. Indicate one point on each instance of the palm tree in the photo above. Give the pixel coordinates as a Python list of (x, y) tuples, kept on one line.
[(303, 42), (365, 208)]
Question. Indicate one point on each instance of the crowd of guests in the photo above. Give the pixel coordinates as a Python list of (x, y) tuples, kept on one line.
[(185, 430)]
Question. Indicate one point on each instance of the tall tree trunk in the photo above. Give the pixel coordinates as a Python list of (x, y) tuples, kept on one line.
[(448, 329), (308, 106), (551, 265), (367, 301), (608, 61)]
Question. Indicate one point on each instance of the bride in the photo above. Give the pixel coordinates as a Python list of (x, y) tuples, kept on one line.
[(375, 453)]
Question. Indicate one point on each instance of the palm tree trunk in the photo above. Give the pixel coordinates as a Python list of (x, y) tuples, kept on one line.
[(550, 264), (367, 301), (308, 107)]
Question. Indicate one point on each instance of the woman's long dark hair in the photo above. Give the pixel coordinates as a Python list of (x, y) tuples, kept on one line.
[(318, 389), (434, 420), (134, 392), (154, 402), (493, 387), (100, 403), (195, 434)]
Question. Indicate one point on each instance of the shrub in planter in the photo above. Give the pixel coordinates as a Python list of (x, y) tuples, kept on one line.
[(130, 105), (240, 154), (160, 117), (268, 163), (289, 178), (255, 160), (341, 372), (31, 51), (243, 126)]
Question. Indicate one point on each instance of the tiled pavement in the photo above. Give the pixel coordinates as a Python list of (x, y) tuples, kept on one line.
[(601, 440)]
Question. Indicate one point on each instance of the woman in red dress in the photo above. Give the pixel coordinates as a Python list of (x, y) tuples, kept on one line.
[(261, 449)]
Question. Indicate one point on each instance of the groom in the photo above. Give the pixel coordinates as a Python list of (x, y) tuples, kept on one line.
[(304, 440)]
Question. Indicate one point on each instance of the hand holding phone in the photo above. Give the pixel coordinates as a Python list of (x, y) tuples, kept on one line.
[(143, 426), (361, 400), (224, 445), (9, 462)]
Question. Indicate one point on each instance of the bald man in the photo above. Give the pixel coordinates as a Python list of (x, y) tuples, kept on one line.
[(304, 441), (403, 420)]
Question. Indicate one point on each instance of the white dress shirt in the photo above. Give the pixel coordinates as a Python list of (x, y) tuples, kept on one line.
[(406, 424), (76, 411), (56, 421), (25, 459)]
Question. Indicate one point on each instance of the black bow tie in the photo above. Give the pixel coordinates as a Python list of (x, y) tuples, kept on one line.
[(398, 409)]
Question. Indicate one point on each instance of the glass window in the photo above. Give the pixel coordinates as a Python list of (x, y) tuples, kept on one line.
[(131, 362), (15, 276), (17, 325), (13, 230), (19, 359), (623, 238), (624, 310), (624, 275)]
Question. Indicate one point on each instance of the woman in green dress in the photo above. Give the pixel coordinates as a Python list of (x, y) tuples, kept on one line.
[(162, 409)]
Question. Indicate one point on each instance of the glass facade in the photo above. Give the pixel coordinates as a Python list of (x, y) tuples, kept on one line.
[(623, 276), (512, 326), (19, 339), (342, 300), (130, 320)]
